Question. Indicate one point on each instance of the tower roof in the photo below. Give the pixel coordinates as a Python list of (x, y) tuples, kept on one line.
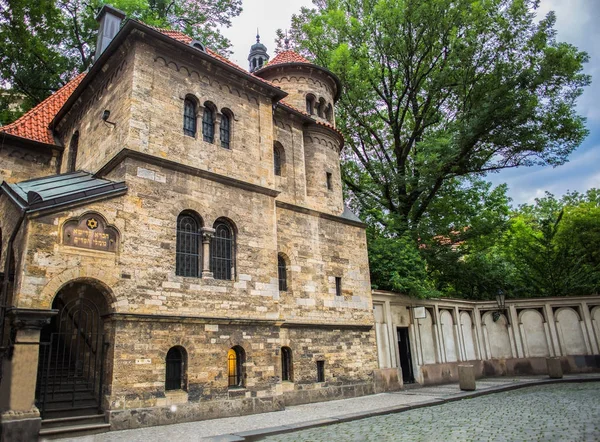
[(289, 58)]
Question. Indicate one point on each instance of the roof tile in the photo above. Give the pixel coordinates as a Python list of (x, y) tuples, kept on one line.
[(288, 56), (34, 124)]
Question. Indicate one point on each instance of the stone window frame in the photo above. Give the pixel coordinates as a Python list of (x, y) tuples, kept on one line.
[(181, 359), (279, 163), (193, 101), (311, 101), (338, 286), (209, 128), (321, 107), (329, 113), (228, 114), (218, 247), (197, 235), (73, 151), (320, 371), (236, 367), (283, 274), (287, 364), (329, 180)]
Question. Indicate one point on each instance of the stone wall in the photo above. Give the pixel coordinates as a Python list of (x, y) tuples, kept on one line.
[(517, 341), (20, 162)]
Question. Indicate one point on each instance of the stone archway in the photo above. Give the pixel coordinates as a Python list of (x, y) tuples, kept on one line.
[(72, 353)]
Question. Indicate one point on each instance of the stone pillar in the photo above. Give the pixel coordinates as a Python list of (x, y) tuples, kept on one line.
[(20, 419), (207, 235)]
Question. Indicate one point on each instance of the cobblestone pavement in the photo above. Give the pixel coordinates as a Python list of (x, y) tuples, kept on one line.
[(301, 414), (559, 412)]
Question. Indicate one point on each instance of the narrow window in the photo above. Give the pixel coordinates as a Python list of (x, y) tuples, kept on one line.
[(320, 371), (208, 124), (338, 286), (310, 104), (222, 251), (189, 117), (235, 366), (286, 364), (321, 108), (188, 246), (73, 149), (329, 183), (329, 113), (175, 369), (225, 130), (278, 159), (282, 273)]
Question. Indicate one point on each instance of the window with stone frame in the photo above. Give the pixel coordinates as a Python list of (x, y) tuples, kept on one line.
[(189, 117), (321, 108), (73, 150), (278, 159), (188, 245), (208, 123), (222, 250), (329, 113), (287, 372), (236, 357), (175, 369), (320, 371), (225, 129), (310, 104), (282, 273), (328, 177), (338, 286)]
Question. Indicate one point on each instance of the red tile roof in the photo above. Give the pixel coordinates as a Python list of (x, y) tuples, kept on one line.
[(34, 124), (288, 57)]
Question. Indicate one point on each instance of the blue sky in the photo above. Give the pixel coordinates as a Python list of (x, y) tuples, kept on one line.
[(578, 23)]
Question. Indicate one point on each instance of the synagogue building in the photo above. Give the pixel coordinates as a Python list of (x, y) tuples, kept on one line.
[(175, 244)]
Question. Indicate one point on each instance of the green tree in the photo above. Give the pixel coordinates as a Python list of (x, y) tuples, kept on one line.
[(442, 89), (553, 245), (45, 43)]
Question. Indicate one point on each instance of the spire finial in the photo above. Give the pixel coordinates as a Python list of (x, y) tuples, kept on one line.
[(257, 36), (286, 41)]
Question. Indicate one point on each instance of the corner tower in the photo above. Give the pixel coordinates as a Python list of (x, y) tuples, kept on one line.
[(313, 90)]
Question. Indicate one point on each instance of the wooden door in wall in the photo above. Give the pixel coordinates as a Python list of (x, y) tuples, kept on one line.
[(406, 364)]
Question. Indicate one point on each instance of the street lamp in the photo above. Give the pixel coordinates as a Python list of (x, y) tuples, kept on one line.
[(500, 300)]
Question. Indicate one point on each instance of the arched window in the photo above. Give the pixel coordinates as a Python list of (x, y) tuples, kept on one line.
[(175, 369), (278, 159), (287, 372), (225, 129), (223, 251), (208, 123), (188, 245), (329, 113), (73, 148), (235, 366), (282, 273), (321, 108), (189, 117), (310, 104)]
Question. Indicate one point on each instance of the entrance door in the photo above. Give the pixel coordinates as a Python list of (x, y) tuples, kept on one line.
[(405, 357), (72, 353)]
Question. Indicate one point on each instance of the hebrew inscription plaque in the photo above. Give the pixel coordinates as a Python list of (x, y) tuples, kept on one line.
[(90, 232)]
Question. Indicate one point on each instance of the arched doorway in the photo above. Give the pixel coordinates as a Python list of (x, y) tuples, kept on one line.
[(73, 350)]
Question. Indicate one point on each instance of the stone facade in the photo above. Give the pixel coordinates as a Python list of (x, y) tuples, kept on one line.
[(324, 314), (442, 334)]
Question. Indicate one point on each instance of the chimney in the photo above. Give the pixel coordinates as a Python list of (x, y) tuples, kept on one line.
[(110, 22)]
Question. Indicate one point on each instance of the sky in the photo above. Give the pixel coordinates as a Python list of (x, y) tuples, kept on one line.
[(577, 23)]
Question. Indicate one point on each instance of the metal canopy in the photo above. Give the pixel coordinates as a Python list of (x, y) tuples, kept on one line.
[(61, 190)]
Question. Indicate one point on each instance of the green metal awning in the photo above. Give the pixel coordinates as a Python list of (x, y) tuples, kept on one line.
[(58, 191)]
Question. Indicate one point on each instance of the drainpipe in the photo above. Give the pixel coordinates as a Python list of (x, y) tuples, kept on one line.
[(5, 282)]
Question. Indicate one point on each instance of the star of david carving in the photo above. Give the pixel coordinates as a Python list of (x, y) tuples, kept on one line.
[(92, 224)]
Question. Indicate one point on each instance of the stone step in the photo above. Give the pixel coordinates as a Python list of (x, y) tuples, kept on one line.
[(72, 431), (73, 420), (55, 413)]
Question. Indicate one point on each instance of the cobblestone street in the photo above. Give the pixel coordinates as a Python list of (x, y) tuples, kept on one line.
[(563, 412)]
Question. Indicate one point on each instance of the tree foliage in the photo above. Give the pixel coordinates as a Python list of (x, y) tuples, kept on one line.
[(437, 94), (44, 43)]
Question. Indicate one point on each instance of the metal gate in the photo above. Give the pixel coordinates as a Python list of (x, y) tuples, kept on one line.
[(71, 364)]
